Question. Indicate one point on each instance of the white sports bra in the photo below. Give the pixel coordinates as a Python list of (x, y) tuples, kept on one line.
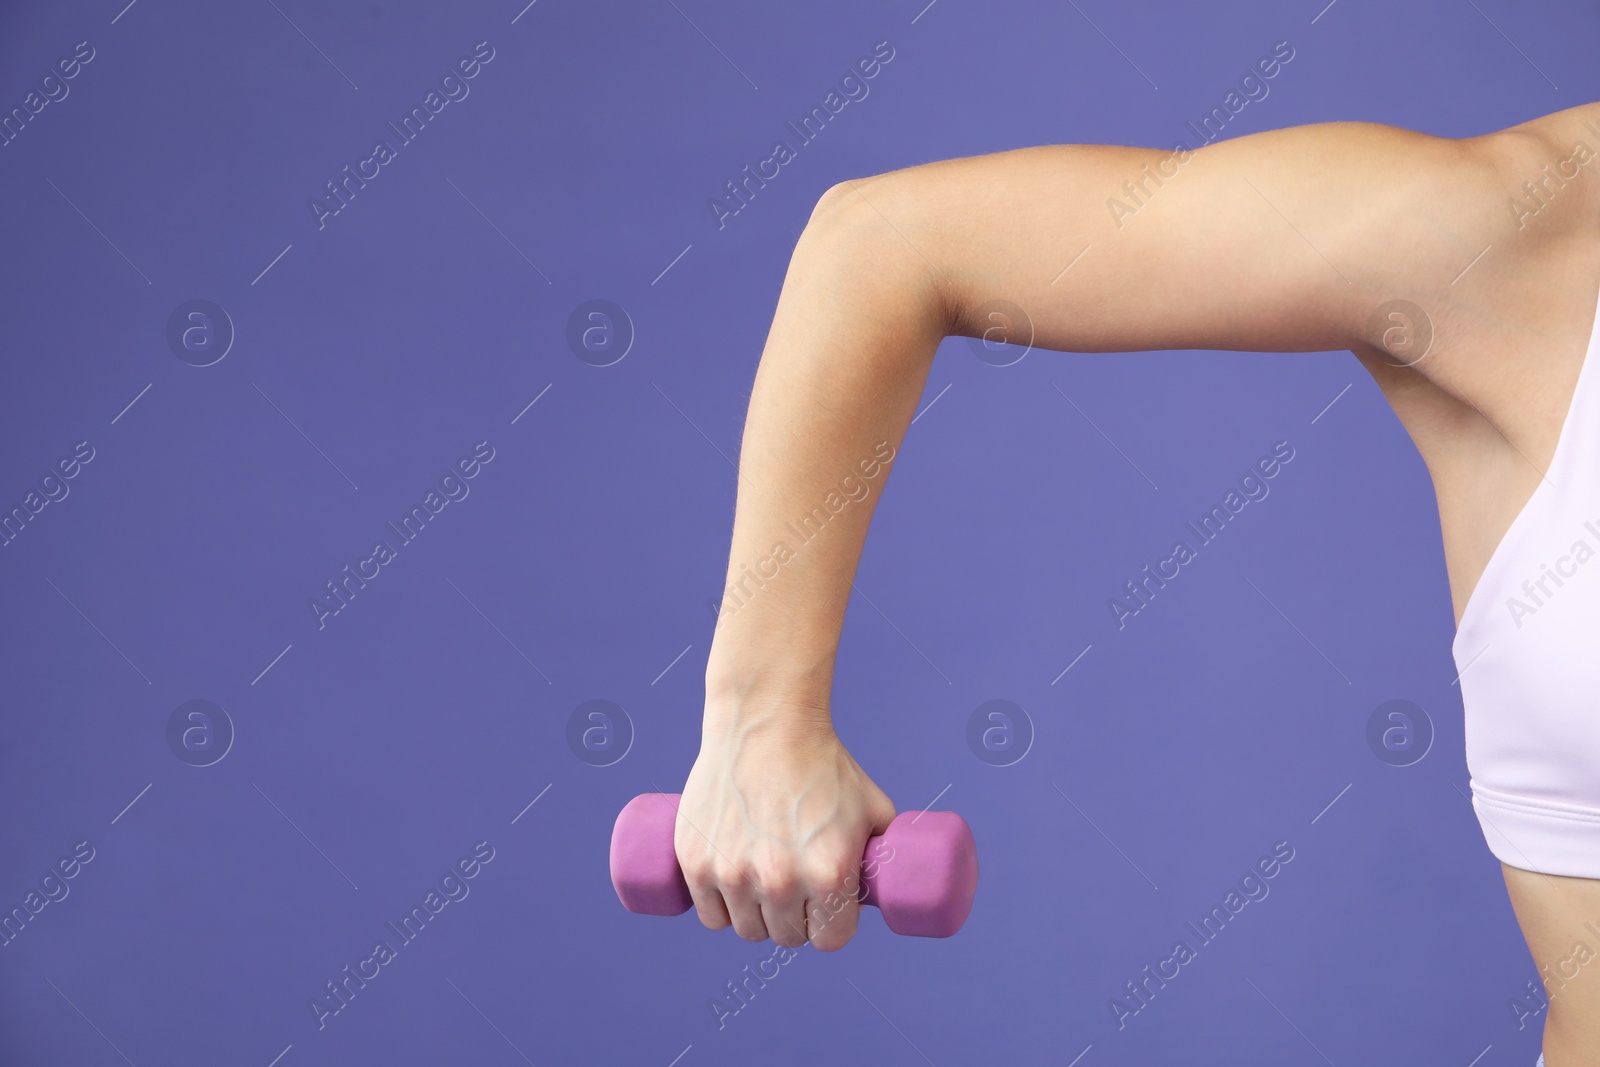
[(1527, 653)]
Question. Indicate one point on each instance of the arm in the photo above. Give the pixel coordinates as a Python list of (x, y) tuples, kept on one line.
[(1279, 241)]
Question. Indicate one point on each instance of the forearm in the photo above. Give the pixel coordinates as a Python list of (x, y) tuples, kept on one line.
[(846, 359)]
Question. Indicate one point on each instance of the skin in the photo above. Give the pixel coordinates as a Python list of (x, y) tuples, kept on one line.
[(1281, 241)]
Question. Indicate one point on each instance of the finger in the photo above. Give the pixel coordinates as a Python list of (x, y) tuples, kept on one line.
[(721, 893), (745, 912), (785, 921), (831, 919), (699, 874), (708, 904), (833, 904)]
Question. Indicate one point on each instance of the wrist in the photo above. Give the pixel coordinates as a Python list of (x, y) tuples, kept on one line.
[(768, 664), (777, 703)]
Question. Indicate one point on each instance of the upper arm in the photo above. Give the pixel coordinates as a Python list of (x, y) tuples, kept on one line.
[(1286, 240)]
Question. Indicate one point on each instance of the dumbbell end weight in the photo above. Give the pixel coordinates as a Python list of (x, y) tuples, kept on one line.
[(921, 873), (644, 862)]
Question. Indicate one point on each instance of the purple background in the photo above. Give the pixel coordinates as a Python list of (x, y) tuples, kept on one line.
[(416, 722)]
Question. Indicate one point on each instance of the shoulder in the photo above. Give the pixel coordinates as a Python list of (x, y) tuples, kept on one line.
[(1565, 141), (1499, 265), (1499, 297)]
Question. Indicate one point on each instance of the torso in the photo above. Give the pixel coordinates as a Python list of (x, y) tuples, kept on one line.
[(1486, 411)]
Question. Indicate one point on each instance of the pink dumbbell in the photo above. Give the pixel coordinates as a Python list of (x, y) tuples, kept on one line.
[(921, 873)]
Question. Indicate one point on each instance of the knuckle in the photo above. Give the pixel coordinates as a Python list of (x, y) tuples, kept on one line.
[(780, 882), (725, 872), (830, 871), (696, 869)]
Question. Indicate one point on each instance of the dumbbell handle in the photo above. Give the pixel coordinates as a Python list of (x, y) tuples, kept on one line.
[(921, 872)]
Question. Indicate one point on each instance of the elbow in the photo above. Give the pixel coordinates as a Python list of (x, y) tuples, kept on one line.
[(880, 235), (837, 206), (845, 222)]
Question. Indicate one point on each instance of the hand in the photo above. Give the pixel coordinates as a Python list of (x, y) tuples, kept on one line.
[(771, 829)]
